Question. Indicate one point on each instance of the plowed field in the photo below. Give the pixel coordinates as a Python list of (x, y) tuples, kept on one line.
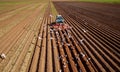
[(92, 44)]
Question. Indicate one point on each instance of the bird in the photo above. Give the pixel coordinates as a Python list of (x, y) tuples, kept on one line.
[(87, 59), (81, 41), (40, 18), (51, 30), (3, 56), (60, 70), (51, 38), (83, 55), (50, 15), (68, 44), (39, 37), (64, 66), (65, 55), (84, 30)]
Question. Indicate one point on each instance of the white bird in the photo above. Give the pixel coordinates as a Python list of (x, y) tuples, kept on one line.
[(60, 70), (51, 30), (65, 55), (63, 59), (51, 38), (64, 66), (81, 41), (83, 55), (56, 32), (68, 44), (50, 15), (88, 60), (40, 18), (84, 30), (59, 28), (3, 56), (70, 36), (39, 37)]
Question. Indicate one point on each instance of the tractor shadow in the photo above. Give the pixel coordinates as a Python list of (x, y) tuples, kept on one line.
[(51, 24)]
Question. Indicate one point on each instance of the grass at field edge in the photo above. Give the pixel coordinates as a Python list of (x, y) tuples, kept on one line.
[(102, 1)]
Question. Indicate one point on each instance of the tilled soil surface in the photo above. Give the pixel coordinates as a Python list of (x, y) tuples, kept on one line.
[(96, 27), (90, 45)]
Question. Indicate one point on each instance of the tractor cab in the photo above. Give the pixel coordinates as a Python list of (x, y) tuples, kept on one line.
[(59, 19)]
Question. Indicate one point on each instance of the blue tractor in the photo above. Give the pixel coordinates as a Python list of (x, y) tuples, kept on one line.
[(59, 19), (59, 23)]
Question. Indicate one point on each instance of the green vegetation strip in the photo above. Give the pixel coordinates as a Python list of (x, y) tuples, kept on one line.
[(102, 1), (17, 2), (53, 9)]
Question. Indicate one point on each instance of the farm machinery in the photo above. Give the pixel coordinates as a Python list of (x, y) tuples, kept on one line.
[(59, 23)]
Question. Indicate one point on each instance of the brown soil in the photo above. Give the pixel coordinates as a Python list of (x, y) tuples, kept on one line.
[(92, 44), (98, 25)]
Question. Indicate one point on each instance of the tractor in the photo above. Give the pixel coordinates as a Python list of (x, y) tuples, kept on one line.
[(59, 23)]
